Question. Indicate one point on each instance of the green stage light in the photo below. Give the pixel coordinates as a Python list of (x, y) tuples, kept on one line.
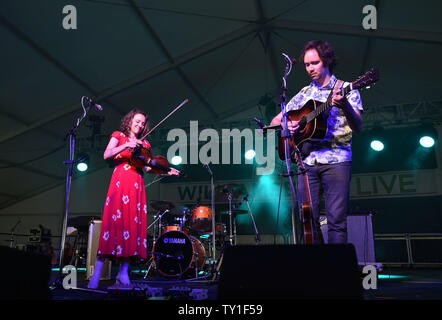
[(250, 154), (176, 160), (82, 162), (426, 141), (391, 276), (377, 145), (65, 269), (82, 166)]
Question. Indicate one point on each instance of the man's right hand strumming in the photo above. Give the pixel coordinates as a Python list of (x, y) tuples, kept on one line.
[(292, 125)]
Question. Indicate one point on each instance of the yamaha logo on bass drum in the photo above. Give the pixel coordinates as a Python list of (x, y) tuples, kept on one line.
[(174, 240)]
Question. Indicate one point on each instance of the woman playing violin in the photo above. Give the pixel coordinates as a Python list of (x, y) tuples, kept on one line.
[(124, 224)]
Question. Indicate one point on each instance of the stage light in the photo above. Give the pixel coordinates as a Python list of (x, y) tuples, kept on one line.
[(66, 269), (176, 160), (391, 276), (83, 162), (377, 145), (82, 166), (250, 154), (426, 141)]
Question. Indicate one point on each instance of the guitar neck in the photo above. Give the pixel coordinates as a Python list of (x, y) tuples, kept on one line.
[(326, 105)]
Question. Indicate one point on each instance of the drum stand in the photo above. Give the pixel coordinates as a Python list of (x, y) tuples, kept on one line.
[(159, 225), (154, 240), (232, 231), (213, 273), (150, 266)]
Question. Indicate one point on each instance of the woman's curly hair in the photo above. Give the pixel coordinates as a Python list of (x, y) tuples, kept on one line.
[(325, 52), (127, 121)]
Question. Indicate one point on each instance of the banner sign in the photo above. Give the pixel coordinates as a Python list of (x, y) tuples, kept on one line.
[(363, 186)]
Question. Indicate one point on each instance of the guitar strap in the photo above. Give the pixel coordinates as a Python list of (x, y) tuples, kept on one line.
[(307, 147)]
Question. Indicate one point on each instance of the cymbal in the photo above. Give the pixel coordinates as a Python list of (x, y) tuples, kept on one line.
[(161, 205), (222, 191), (235, 212)]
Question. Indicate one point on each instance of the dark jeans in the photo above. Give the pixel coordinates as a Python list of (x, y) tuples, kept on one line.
[(333, 180)]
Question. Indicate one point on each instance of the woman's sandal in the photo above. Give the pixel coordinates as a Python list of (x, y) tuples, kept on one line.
[(118, 285)]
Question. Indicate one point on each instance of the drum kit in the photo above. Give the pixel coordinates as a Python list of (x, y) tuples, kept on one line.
[(183, 238)]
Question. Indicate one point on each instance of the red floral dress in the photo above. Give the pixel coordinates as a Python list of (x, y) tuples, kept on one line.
[(124, 223)]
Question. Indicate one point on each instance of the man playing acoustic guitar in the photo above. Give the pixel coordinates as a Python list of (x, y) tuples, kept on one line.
[(328, 162)]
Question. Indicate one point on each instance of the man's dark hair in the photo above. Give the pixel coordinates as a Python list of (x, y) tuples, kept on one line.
[(325, 52)]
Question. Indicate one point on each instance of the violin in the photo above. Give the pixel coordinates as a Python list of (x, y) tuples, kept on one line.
[(142, 157)]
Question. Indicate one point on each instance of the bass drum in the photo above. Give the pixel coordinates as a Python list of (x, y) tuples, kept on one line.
[(176, 254)]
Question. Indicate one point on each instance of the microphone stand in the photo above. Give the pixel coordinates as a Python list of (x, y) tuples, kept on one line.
[(232, 235), (71, 162), (160, 216), (285, 134), (11, 240), (257, 238), (213, 212)]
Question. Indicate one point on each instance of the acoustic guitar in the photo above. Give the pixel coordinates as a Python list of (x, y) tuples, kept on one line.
[(313, 116)]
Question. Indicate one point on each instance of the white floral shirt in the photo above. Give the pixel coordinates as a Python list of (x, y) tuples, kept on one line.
[(336, 147)]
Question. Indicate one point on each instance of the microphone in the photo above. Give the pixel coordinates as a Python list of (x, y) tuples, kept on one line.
[(259, 123), (261, 127), (92, 103)]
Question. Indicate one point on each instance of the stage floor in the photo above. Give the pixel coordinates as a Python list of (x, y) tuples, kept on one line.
[(394, 283)]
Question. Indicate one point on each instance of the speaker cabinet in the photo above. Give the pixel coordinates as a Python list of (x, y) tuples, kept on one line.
[(24, 275), (92, 248), (268, 272)]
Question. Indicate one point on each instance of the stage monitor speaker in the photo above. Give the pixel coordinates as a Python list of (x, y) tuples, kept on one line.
[(24, 275), (285, 272), (92, 248)]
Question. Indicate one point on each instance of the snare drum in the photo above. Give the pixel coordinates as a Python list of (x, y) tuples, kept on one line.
[(201, 219)]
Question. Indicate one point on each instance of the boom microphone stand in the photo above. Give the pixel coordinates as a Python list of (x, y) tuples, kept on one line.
[(285, 134), (71, 162), (257, 238)]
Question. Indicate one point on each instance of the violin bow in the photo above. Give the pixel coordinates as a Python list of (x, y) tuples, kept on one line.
[(159, 123)]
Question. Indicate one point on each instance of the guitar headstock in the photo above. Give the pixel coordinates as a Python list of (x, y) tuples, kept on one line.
[(366, 79)]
